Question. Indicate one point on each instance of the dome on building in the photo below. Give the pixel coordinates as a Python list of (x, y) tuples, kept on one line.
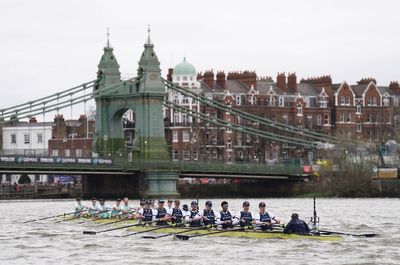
[(184, 68)]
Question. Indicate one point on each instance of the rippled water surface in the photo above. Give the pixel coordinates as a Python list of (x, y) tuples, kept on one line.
[(48, 242)]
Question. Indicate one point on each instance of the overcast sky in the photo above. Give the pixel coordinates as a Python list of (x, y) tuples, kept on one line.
[(48, 45)]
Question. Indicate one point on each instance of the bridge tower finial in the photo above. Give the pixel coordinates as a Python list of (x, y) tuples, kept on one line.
[(148, 35), (108, 38)]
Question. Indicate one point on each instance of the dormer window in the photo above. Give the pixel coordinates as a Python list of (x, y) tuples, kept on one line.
[(386, 102), (323, 103), (307, 101), (281, 102), (347, 101), (342, 100), (238, 100)]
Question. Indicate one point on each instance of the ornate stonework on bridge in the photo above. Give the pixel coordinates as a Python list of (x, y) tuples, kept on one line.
[(144, 96)]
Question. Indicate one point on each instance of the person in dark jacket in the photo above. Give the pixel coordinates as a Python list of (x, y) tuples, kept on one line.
[(296, 226)]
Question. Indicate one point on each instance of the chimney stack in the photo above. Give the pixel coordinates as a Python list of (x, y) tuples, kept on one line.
[(394, 86), (281, 81), (169, 75), (208, 78), (292, 83), (32, 120), (221, 81)]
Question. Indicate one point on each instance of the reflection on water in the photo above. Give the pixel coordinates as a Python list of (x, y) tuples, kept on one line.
[(48, 242)]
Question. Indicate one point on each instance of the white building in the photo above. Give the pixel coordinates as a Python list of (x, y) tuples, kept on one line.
[(24, 138)]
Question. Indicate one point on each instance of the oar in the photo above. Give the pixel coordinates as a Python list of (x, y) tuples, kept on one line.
[(112, 229), (348, 234), (176, 233), (148, 230), (186, 237), (117, 221), (53, 216)]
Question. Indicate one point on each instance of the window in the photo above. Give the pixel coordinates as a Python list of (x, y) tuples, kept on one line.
[(26, 138), (175, 155), (386, 102), (252, 100), (307, 101), (54, 153), (348, 116), (239, 120), (319, 120), (358, 109), (79, 152), (185, 119), (13, 138), (347, 101), (191, 78), (39, 138), (323, 103), (396, 101), (184, 78), (175, 136), (342, 100), (271, 101), (185, 100), (176, 117), (281, 102), (374, 101), (67, 152), (90, 134), (195, 155), (326, 119), (309, 121), (229, 145), (285, 119), (341, 116), (186, 155), (358, 127), (185, 136), (369, 118), (176, 99), (299, 111), (239, 139), (238, 100)]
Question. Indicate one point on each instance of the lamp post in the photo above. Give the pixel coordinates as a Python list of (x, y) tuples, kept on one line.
[(105, 139)]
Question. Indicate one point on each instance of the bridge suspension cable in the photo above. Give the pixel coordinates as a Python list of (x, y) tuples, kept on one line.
[(245, 129), (250, 117)]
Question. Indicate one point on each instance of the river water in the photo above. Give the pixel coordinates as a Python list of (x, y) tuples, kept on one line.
[(48, 242)]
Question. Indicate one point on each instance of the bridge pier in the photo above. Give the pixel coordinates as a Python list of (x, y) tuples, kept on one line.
[(161, 184)]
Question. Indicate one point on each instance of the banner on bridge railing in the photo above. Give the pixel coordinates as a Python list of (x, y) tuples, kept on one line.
[(54, 160)]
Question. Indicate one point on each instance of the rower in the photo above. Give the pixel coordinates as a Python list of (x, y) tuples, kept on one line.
[(225, 218), (126, 209), (194, 219), (177, 214), (104, 209), (265, 219), (93, 209), (116, 209), (296, 226), (245, 217), (208, 214), (79, 207), (169, 206), (161, 214), (146, 214), (185, 211)]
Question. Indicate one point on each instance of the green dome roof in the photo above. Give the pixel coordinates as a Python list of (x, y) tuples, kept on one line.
[(184, 68)]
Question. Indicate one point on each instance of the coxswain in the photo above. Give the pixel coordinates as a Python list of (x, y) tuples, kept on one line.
[(208, 214), (116, 209), (177, 214), (162, 216), (225, 218), (169, 206), (296, 226), (104, 210), (93, 209), (245, 217), (194, 219), (146, 214), (264, 219), (126, 209), (79, 207)]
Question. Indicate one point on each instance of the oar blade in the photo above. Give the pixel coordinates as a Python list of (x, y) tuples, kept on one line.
[(182, 237), (150, 237), (89, 232)]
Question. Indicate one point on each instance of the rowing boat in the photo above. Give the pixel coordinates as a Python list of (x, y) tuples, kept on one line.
[(248, 233)]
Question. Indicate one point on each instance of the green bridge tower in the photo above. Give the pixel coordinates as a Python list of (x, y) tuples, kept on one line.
[(144, 96)]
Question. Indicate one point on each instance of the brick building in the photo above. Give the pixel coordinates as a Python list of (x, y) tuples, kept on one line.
[(71, 138), (364, 112)]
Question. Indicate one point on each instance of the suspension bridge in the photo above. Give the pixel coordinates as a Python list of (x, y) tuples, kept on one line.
[(146, 165)]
